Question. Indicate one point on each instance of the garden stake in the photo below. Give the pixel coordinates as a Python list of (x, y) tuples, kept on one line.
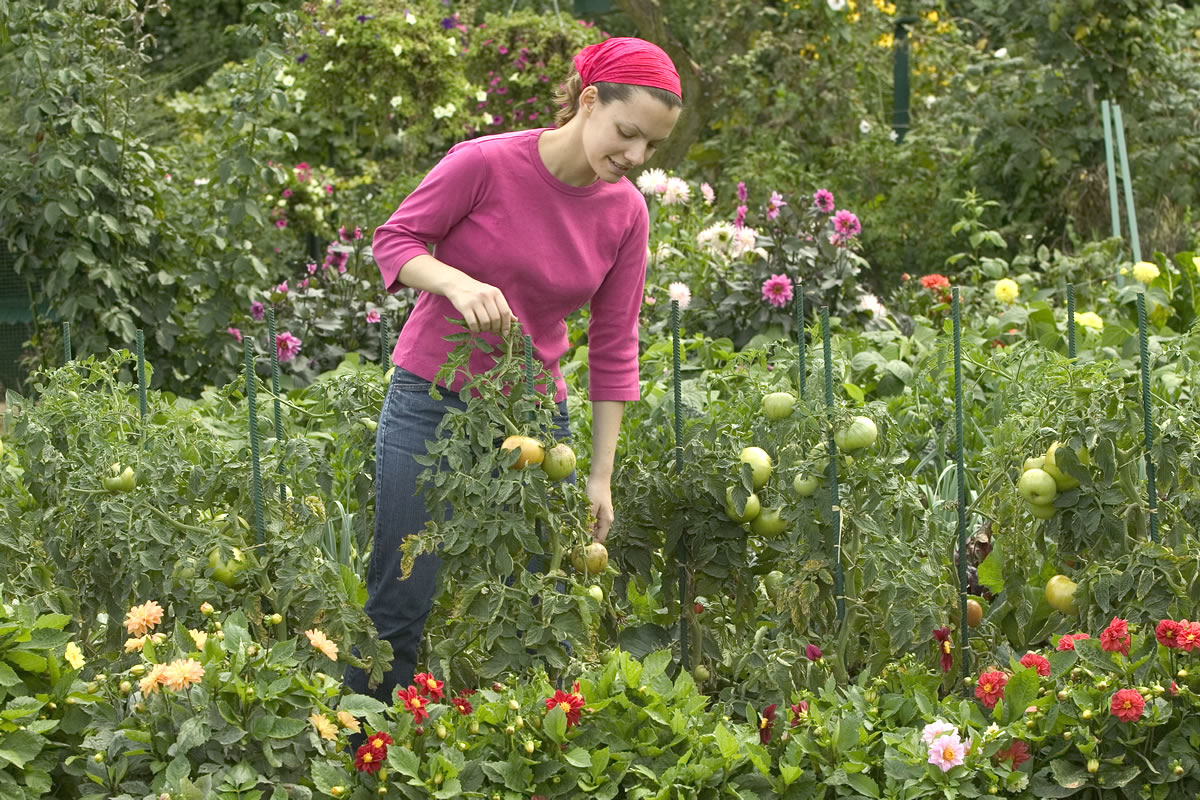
[(140, 339), (964, 652), (275, 389), (1148, 429), (835, 503), (801, 366), (256, 473), (384, 335), (681, 548), (66, 342), (1127, 179), (1113, 206), (1070, 320)]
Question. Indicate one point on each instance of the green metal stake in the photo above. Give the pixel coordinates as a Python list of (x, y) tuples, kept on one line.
[(260, 524), (385, 336), (1148, 428), (681, 551), (835, 501), (140, 339), (901, 77), (66, 342), (801, 366), (275, 389), (964, 652), (1070, 320), (1127, 179), (1113, 206)]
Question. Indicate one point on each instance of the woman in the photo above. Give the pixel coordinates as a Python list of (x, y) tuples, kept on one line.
[(531, 226)]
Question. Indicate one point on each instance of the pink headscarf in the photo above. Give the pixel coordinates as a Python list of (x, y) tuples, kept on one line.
[(627, 60)]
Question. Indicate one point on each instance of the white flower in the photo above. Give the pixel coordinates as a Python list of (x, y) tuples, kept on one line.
[(341, 40), (441, 112), (681, 293), (744, 241), (201, 181), (716, 237), (652, 181), (452, 45), (488, 119), (992, 731), (397, 49), (1001, 53), (678, 192), (300, 95), (871, 303), (396, 101), (930, 100), (328, 66), (836, 5), (708, 193), (864, 126), (331, 32), (481, 96), (288, 80), (937, 728), (409, 18), (893, 135)]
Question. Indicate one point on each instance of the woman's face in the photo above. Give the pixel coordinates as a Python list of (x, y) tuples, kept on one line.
[(624, 133)]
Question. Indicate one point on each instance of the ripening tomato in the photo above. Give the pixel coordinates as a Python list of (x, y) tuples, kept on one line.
[(591, 559), (1060, 594), (559, 462), (531, 450), (859, 434), (974, 612)]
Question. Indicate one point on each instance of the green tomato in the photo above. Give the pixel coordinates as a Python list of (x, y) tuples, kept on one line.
[(119, 479), (859, 434), (752, 507), (1037, 486), (559, 462), (805, 485), (1033, 463), (768, 523), (1060, 594), (760, 464), (1061, 479), (701, 673), (1042, 512), (773, 584), (596, 593), (778, 405)]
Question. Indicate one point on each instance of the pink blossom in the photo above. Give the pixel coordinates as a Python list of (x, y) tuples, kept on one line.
[(947, 752), (823, 200), (282, 288), (311, 267), (281, 223), (774, 204), (707, 192), (328, 188), (740, 220), (342, 233), (742, 194), (681, 293), (287, 346), (303, 171), (373, 316), (235, 333), (287, 192), (777, 290), (847, 224), (358, 234), (257, 310), (304, 283)]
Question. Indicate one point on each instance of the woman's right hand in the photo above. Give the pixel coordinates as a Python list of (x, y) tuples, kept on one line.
[(482, 305)]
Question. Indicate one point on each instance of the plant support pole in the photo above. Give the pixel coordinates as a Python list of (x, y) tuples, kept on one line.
[(66, 329), (681, 549), (1147, 426), (835, 502), (1114, 206), (964, 652), (260, 524), (1070, 320), (801, 366), (140, 339), (1127, 180)]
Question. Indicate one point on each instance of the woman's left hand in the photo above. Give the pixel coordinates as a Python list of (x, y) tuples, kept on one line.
[(600, 493)]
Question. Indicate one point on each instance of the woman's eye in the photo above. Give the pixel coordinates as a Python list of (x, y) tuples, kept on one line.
[(626, 134)]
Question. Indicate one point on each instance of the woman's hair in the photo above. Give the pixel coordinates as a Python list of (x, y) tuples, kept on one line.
[(567, 96)]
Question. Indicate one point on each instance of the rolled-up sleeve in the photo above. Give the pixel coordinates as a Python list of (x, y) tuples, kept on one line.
[(443, 198), (613, 329)]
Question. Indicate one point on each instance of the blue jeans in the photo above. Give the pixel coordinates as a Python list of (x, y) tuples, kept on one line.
[(398, 607)]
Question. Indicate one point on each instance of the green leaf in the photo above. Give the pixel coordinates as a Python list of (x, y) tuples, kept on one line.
[(555, 725), (863, 784), (19, 748), (52, 212), (1020, 691), (1069, 775), (991, 570), (326, 775), (287, 727), (192, 733), (404, 761), (847, 733), (7, 676), (359, 705), (56, 621), (578, 757), (27, 661), (727, 743)]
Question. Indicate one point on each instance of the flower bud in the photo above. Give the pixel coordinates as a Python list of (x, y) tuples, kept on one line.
[(337, 791), (206, 609), (275, 619), (441, 731), (474, 726), (98, 758), (437, 779), (1063, 694), (1067, 735), (1183, 673), (510, 730), (1178, 770), (1086, 714), (126, 687), (1093, 766), (514, 705), (137, 670), (519, 722), (251, 650), (529, 746)]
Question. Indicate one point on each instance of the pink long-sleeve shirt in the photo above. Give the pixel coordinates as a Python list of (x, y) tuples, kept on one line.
[(492, 209)]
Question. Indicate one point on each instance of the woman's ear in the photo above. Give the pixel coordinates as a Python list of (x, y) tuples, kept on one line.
[(588, 99)]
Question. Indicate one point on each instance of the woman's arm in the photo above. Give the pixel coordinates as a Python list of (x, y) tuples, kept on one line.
[(482, 305), (606, 425)]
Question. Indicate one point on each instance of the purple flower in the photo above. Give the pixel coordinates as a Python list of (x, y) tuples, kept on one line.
[(742, 194), (287, 346), (235, 333), (812, 652), (281, 223), (258, 310), (304, 283), (774, 204), (300, 59), (311, 267), (449, 22), (364, 17), (282, 288), (740, 220), (342, 234), (373, 316), (358, 234), (823, 200), (777, 290)]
